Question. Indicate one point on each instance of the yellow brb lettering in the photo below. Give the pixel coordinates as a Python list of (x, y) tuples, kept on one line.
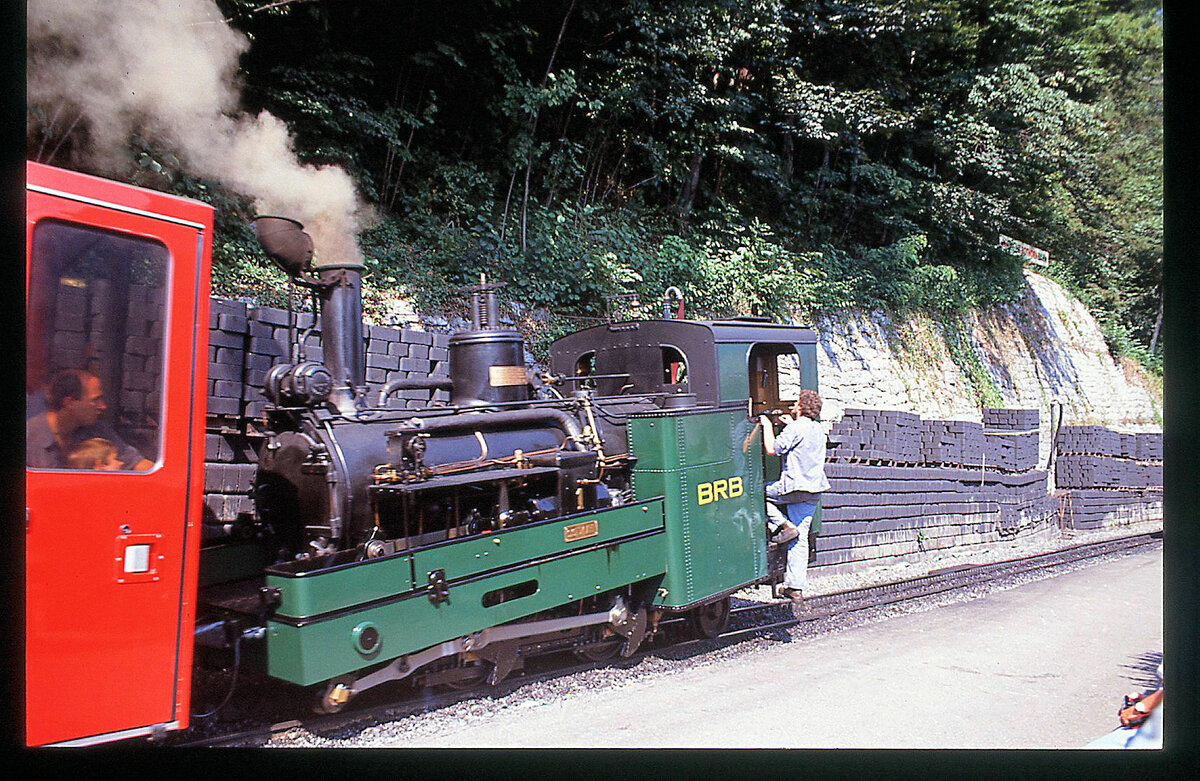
[(719, 489)]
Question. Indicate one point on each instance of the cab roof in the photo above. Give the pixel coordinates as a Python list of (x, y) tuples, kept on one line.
[(758, 329)]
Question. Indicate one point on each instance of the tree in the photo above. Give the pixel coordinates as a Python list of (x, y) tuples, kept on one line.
[(586, 148)]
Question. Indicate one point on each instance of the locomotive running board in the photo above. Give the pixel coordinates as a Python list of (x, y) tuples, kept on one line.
[(629, 624)]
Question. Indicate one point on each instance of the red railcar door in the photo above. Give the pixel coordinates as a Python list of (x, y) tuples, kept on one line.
[(116, 320)]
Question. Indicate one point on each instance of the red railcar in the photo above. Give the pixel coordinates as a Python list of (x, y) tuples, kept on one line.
[(117, 286)]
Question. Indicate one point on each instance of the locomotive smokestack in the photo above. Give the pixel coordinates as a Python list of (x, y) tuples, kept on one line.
[(339, 287), (341, 331)]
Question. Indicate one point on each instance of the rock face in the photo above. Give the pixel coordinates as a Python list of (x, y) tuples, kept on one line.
[(1043, 349)]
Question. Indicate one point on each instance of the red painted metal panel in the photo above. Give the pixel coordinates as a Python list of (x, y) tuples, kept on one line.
[(111, 556)]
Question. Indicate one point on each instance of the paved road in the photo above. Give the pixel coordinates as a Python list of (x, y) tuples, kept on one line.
[(1041, 665)]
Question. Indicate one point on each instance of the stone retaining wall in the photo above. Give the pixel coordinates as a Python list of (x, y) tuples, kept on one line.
[(900, 484)]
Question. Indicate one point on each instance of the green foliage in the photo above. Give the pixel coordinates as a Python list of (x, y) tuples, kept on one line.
[(744, 270), (394, 268), (963, 353), (766, 157), (1123, 345), (571, 262)]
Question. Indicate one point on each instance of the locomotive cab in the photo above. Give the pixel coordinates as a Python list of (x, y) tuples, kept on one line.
[(717, 361), (699, 446), (657, 358)]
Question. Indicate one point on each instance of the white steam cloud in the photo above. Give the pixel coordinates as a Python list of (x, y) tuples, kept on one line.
[(167, 69)]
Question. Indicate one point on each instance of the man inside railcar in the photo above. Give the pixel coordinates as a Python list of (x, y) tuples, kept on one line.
[(75, 404)]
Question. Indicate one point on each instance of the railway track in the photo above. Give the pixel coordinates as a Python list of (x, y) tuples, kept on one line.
[(747, 620)]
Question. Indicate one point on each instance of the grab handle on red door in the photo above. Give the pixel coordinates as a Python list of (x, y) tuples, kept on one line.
[(137, 558)]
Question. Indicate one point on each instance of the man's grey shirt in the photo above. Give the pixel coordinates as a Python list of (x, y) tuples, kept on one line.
[(42, 450), (802, 446)]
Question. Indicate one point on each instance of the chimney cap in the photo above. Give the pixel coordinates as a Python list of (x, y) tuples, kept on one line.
[(285, 242)]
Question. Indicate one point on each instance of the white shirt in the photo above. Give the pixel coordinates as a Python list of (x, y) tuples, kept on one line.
[(802, 445)]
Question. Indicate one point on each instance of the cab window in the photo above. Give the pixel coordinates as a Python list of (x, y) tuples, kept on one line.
[(774, 377), (94, 348), (585, 366), (674, 367)]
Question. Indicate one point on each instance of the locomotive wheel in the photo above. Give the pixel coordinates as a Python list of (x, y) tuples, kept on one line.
[(712, 619), (601, 651), (335, 695), (467, 675)]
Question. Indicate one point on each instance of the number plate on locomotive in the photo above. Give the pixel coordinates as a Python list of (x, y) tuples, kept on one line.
[(500, 376), (579, 531)]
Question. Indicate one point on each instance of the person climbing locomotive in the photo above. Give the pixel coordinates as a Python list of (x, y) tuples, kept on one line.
[(792, 499)]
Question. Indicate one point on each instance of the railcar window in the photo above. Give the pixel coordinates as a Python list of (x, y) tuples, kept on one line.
[(94, 348)]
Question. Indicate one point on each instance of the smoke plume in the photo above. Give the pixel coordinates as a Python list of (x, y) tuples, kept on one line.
[(168, 69)]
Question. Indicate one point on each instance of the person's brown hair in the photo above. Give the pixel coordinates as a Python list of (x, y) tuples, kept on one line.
[(65, 384), (810, 404)]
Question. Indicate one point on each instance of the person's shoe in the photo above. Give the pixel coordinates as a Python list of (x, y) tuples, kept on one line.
[(796, 596), (786, 532)]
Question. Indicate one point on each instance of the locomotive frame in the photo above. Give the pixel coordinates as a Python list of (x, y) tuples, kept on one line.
[(530, 514)]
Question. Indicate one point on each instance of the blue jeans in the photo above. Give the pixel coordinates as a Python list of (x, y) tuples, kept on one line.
[(776, 499), (801, 514)]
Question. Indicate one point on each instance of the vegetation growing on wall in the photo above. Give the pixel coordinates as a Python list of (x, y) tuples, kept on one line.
[(764, 156)]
